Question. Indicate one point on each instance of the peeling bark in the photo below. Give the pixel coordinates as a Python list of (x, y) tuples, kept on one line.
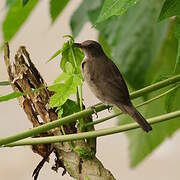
[(24, 77)]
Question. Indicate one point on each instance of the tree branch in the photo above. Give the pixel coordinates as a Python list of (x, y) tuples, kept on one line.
[(92, 134), (24, 77), (84, 113)]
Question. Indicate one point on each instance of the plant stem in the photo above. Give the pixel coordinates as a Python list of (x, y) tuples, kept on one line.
[(139, 105), (80, 98), (92, 134), (73, 56), (51, 125), (155, 86), (73, 117), (4, 83)]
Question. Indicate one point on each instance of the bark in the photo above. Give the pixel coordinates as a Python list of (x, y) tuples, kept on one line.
[(24, 77)]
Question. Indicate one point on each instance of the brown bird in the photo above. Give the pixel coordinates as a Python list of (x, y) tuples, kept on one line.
[(106, 81)]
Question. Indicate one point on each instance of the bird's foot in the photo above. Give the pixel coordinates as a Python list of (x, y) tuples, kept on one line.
[(95, 112), (109, 107)]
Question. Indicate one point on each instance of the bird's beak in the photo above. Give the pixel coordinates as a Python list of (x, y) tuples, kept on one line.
[(78, 45)]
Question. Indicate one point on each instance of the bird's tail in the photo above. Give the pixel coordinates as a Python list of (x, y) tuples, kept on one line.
[(132, 111)]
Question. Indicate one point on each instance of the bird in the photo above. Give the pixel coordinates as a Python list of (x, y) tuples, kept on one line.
[(106, 81)]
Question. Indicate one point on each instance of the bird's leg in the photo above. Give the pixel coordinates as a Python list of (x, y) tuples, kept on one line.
[(109, 107), (94, 109)]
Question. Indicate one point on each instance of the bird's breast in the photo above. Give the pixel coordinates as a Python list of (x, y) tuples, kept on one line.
[(93, 77)]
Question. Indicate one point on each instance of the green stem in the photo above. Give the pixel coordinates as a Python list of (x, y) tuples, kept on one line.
[(4, 83), (139, 105), (93, 134), (73, 56), (73, 117), (51, 125), (80, 98), (79, 95), (155, 86)]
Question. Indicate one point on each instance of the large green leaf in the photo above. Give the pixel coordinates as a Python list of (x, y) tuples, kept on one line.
[(170, 8), (170, 100), (142, 144), (56, 7), (15, 17), (135, 39), (142, 51), (177, 35), (114, 7), (80, 16)]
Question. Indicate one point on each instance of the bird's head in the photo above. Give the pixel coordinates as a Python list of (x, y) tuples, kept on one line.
[(90, 48)]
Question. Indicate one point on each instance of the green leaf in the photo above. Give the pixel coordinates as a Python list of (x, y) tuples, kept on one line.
[(73, 56), (80, 16), (64, 90), (10, 2), (177, 35), (4, 83), (59, 111), (68, 68), (114, 7), (135, 39), (62, 77), (56, 7), (68, 81), (170, 99), (55, 55), (10, 96), (15, 18), (70, 107), (24, 2), (177, 64), (169, 9), (142, 144)]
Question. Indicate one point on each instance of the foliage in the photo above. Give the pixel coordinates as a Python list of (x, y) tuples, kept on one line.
[(141, 37), (56, 8), (114, 7), (80, 16), (177, 35), (24, 2), (15, 17), (141, 46), (170, 8), (68, 81)]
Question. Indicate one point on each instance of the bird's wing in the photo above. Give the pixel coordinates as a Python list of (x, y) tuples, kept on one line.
[(117, 83)]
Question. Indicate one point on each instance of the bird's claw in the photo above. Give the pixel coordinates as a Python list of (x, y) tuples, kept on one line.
[(94, 110), (109, 107)]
